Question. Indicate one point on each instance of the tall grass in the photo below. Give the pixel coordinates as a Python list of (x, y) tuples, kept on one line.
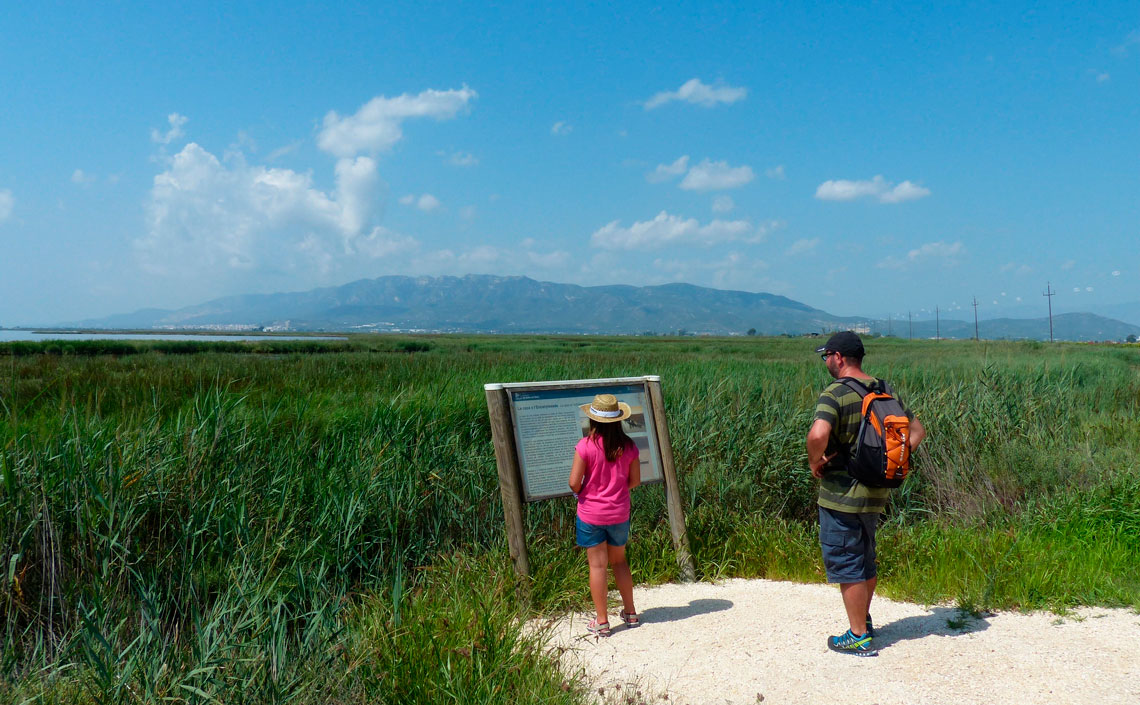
[(211, 525)]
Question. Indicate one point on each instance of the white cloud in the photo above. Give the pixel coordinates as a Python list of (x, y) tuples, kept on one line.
[(176, 122), (723, 204), (877, 188), (425, 202), (802, 247), (283, 150), (664, 172), (666, 229), (468, 212), (1116, 272), (1076, 289), (697, 93), (464, 159), (428, 203), (947, 252), (1068, 264), (1103, 77), (716, 176), (1016, 268), (561, 129), (211, 218), (82, 178), (7, 202), (1133, 39), (376, 126), (1088, 288), (776, 173)]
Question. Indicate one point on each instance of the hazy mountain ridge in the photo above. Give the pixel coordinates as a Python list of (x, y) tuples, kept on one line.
[(494, 304)]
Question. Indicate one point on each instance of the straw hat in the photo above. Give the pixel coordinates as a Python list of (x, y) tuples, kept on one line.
[(606, 409)]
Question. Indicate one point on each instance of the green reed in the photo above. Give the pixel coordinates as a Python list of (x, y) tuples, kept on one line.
[(242, 524)]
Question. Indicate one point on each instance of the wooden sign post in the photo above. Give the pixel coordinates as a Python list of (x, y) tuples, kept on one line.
[(535, 426)]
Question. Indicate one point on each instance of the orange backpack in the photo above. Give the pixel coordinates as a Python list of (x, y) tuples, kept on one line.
[(881, 456)]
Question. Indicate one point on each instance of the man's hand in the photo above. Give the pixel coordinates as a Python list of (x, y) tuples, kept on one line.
[(817, 467)]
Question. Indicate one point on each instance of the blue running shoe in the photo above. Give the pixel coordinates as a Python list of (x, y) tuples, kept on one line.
[(851, 643)]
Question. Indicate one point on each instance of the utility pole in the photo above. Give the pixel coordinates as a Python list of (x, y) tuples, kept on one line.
[(1049, 293), (937, 325), (975, 318)]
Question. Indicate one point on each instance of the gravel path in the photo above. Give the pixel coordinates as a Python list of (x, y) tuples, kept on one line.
[(743, 641)]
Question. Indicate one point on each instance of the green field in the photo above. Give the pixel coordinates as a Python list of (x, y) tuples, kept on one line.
[(313, 522)]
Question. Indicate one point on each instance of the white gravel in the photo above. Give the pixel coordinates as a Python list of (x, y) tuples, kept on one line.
[(747, 641)]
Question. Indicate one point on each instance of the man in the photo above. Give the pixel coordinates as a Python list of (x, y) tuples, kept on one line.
[(848, 509)]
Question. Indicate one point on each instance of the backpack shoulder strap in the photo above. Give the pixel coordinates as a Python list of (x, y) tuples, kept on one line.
[(854, 385)]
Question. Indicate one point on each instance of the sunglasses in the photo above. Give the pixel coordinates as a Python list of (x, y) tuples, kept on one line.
[(824, 356)]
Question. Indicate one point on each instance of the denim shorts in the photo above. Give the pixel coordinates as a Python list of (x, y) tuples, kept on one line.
[(848, 544), (591, 534)]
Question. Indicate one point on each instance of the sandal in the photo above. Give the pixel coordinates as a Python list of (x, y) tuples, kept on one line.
[(630, 619), (598, 628)]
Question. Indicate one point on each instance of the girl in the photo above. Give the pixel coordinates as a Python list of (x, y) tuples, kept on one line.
[(605, 469)]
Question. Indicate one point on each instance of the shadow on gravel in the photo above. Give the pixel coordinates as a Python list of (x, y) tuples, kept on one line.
[(695, 607), (942, 621)]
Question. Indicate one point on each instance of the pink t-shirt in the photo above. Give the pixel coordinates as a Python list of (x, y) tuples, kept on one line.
[(604, 498)]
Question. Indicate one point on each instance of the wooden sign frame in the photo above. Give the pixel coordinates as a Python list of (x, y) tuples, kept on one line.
[(502, 401)]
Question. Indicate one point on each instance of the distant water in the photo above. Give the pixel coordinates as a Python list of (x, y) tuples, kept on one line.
[(9, 335)]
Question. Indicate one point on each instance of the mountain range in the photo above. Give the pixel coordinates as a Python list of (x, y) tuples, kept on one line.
[(496, 304)]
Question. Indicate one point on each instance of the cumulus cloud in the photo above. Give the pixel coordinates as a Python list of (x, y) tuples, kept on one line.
[(723, 204), (667, 229), (776, 173), (716, 176), (207, 216), (176, 122), (7, 202), (377, 125), (698, 93), (1116, 272), (877, 188), (561, 128), (946, 252), (664, 172)]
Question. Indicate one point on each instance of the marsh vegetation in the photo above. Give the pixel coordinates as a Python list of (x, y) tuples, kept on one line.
[(319, 522)]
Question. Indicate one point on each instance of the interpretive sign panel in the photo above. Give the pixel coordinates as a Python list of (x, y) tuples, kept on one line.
[(548, 423)]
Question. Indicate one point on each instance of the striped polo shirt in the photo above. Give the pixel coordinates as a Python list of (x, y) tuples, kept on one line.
[(842, 407)]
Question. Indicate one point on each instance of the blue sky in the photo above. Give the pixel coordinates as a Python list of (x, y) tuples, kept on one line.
[(866, 161)]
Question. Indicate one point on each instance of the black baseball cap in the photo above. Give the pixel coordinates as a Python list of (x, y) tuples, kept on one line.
[(846, 343)]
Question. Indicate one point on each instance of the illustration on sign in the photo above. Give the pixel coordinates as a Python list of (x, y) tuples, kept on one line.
[(549, 423)]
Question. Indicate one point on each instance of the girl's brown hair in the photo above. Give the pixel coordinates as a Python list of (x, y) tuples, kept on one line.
[(613, 437)]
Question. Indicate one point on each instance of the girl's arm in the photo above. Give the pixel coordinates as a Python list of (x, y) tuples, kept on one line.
[(634, 472), (577, 473)]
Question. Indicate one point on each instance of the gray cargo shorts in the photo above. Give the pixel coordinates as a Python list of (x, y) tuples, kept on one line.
[(848, 545)]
